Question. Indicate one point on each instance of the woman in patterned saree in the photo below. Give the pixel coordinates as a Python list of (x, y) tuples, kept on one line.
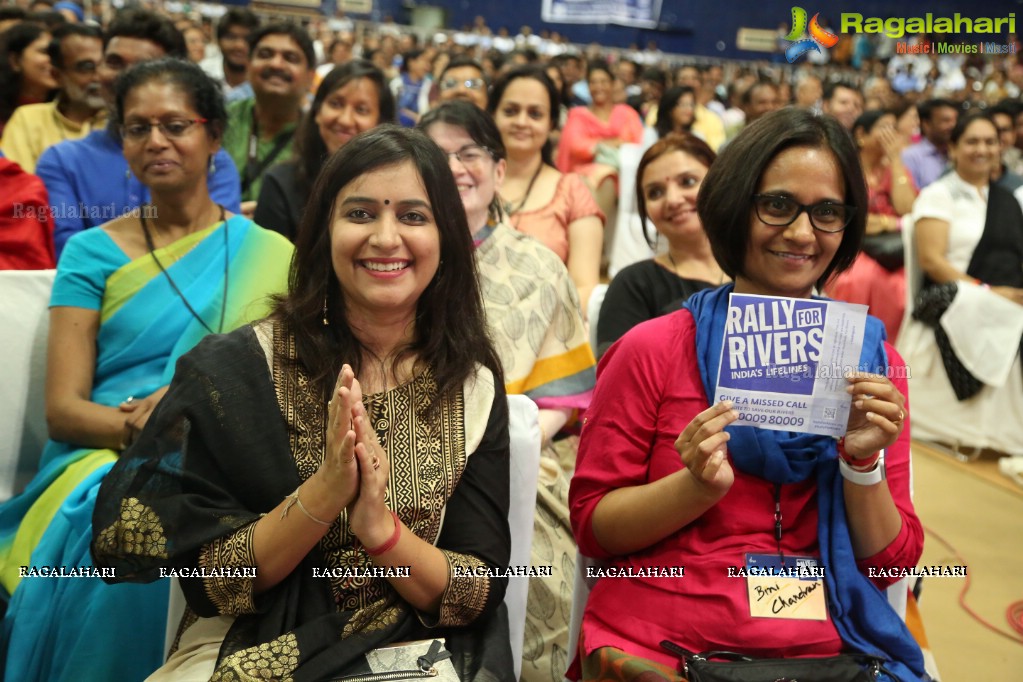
[(361, 429), (534, 319), (130, 297)]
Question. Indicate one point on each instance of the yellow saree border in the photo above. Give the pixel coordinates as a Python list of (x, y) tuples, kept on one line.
[(129, 279)]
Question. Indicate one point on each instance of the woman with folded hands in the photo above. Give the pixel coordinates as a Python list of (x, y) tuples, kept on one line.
[(363, 425)]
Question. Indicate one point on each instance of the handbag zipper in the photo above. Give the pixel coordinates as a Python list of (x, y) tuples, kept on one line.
[(392, 675)]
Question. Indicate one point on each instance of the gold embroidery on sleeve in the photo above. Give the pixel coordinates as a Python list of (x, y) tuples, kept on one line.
[(137, 532), (229, 594), (467, 593)]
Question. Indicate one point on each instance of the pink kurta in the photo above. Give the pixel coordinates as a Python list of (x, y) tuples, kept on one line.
[(583, 130), (648, 389), (549, 225)]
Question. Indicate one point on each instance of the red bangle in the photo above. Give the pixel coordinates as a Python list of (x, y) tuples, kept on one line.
[(865, 464), (389, 545)]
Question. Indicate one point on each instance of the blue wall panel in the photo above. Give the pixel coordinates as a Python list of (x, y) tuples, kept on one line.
[(693, 27)]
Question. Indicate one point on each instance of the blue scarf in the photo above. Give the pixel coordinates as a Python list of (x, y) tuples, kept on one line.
[(862, 615)]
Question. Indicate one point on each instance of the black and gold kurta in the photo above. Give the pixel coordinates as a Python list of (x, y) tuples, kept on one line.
[(240, 429)]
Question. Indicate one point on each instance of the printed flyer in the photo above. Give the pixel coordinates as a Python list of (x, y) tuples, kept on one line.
[(784, 362)]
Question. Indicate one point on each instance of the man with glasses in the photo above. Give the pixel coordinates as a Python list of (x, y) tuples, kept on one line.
[(88, 179), (463, 78), (75, 52), (230, 68)]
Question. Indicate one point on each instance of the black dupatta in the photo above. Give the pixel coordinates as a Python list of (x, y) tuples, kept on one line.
[(997, 260), (216, 456)]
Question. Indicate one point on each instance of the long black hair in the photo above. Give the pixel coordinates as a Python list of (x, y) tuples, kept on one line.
[(13, 42), (539, 74), (451, 335), (309, 152)]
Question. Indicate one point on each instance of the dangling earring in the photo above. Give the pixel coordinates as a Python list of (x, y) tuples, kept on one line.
[(213, 165), (127, 174), (326, 322)]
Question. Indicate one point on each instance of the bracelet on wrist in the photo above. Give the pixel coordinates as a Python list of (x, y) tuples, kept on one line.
[(863, 464), (389, 545), (294, 499), (871, 476)]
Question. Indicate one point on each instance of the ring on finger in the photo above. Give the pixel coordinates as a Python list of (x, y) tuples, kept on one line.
[(376, 462), (349, 460)]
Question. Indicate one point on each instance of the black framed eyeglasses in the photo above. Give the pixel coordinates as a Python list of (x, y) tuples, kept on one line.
[(471, 154), (781, 211)]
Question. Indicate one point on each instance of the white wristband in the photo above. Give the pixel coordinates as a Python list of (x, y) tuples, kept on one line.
[(871, 477)]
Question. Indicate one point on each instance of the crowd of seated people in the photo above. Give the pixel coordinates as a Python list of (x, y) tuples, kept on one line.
[(165, 165)]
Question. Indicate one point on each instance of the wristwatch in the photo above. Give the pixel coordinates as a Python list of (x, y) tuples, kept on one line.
[(871, 477)]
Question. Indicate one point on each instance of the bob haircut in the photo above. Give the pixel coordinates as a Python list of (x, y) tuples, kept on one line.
[(669, 100), (199, 89), (539, 74), (477, 124), (686, 143), (309, 151), (725, 200), (451, 335)]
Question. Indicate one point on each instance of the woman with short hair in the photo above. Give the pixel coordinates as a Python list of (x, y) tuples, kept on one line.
[(666, 478)]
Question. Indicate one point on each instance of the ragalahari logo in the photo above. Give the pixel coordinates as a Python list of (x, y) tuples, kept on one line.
[(818, 36)]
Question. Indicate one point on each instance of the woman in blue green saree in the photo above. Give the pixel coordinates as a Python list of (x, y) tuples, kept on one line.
[(129, 298)]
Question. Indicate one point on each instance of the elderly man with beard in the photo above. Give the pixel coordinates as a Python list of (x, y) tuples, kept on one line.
[(88, 180), (282, 64), (75, 53)]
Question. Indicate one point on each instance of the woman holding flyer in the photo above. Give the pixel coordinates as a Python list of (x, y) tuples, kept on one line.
[(664, 478)]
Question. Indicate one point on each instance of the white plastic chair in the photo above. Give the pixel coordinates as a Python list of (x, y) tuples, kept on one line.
[(629, 245), (911, 267), (525, 441), (24, 327), (593, 313)]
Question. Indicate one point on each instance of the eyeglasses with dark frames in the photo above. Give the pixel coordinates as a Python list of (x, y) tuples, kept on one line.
[(471, 154), (778, 210), (172, 129)]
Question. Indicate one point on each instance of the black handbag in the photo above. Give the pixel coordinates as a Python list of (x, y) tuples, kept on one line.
[(739, 668), (886, 248)]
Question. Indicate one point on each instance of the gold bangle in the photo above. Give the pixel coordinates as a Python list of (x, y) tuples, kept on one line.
[(293, 499)]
